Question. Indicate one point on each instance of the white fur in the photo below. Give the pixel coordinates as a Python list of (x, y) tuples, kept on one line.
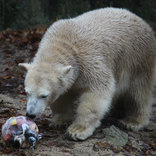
[(35, 105), (93, 59)]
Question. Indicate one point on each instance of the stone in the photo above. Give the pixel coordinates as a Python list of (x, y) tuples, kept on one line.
[(115, 136)]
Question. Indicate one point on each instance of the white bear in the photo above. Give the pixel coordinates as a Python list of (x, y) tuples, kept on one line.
[(87, 65)]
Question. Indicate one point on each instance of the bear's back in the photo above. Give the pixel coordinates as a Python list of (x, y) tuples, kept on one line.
[(108, 28), (116, 33), (113, 25), (110, 18)]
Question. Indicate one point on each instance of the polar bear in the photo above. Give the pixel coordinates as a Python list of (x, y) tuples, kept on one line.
[(85, 66)]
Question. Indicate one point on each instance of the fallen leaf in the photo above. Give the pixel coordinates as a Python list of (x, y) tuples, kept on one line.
[(6, 77), (23, 100), (153, 144)]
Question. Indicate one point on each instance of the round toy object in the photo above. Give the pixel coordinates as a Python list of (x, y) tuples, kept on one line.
[(20, 131)]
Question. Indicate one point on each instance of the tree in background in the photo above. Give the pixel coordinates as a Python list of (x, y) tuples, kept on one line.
[(21, 13), (25, 13)]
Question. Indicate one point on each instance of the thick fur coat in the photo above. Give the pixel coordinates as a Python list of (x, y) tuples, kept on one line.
[(85, 66)]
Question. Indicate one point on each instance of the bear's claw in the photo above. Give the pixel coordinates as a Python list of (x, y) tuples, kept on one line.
[(78, 132)]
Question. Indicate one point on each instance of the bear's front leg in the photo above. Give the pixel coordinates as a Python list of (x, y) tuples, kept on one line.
[(63, 110), (91, 109)]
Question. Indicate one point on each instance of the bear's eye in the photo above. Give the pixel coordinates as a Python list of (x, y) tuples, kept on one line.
[(43, 96)]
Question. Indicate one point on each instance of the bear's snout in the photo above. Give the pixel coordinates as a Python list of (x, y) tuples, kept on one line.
[(32, 116)]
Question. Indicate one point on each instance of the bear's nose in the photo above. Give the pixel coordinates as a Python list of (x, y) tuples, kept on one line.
[(30, 115)]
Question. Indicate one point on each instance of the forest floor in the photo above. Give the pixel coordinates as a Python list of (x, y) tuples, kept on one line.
[(20, 46)]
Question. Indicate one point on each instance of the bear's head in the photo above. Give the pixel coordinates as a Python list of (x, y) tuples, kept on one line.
[(44, 84)]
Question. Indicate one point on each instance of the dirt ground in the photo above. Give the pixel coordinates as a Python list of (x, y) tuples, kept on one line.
[(17, 48)]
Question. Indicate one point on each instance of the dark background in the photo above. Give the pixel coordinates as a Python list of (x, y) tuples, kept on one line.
[(21, 14)]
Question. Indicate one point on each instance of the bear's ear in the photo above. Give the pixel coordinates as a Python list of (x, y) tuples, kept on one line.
[(65, 73), (26, 66), (65, 70)]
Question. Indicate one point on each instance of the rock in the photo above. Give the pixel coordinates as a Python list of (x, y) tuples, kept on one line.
[(115, 136)]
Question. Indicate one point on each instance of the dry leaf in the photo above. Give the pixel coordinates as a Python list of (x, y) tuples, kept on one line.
[(6, 77), (23, 100), (153, 144)]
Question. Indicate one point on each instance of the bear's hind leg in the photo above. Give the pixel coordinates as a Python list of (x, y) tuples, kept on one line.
[(139, 109)]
